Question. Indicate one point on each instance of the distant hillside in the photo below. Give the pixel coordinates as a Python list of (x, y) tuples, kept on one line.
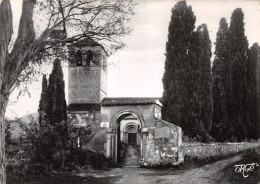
[(18, 124)]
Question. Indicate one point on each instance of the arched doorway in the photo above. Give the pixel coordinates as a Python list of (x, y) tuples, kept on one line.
[(131, 132), (126, 126)]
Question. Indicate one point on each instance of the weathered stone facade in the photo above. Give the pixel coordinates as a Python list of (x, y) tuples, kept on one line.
[(87, 88), (89, 108), (88, 82), (160, 140), (162, 145)]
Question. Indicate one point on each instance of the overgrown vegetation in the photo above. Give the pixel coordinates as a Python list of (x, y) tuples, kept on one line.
[(49, 144)]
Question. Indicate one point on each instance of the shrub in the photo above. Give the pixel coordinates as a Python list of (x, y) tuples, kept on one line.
[(84, 158)]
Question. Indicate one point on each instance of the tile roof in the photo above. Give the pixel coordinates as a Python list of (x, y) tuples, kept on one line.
[(129, 101), (86, 42)]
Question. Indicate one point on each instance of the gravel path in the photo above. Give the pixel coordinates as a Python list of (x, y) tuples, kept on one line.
[(208, 174), (132, 156)]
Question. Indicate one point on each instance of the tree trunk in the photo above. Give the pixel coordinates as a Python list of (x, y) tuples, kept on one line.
[(3, 103), (6, 29)]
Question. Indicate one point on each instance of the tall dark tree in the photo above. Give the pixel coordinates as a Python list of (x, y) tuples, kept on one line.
[(252, 125), (221, 85), (52, 118), (57, 103), (238, 71), (205, 87), (181, 80), (44, 102), (258, 93), (239, 56)]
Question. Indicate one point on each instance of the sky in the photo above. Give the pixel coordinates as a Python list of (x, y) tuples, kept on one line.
[(137, 69)]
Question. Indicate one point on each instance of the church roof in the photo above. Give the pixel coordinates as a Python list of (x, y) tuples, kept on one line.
[(129, 101), (86, 42)]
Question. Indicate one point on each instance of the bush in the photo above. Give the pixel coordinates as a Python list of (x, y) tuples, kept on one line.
[(21, 166), (85, 158)]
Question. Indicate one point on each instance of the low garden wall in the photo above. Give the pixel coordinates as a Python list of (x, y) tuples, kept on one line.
[(201, 150)]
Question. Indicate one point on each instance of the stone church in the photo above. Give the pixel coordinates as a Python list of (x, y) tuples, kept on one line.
[(120, 121)]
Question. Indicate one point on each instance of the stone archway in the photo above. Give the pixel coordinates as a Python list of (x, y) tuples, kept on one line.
[(130, 133), (114, 142)]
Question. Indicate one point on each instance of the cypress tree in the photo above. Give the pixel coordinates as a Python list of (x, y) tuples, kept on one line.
[(222, 128), (239, 52), (258, 94), (205, 88), (58, 114), (58, 107), (44, 102), (181, 80), (180, 30), (238, 71), (252, 128), (52, 118)]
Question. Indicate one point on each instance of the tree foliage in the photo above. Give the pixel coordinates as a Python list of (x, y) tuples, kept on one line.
[(253, 121), (205, 88), (44, 101), (180, 32), (234, 82), (187, 99), (52, 139), (221, 84), (239, 58), (238, 70)]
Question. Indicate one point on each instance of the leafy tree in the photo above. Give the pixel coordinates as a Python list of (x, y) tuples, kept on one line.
[(178, 45), (221, 85), (239, 54), (102, 20), (8, 132)]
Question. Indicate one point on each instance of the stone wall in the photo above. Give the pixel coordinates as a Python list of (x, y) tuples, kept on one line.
[(88, 84), (83, 85), (203, 151), (161, 145)]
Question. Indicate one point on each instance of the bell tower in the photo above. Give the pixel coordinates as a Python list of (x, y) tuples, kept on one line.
[(87, 75)]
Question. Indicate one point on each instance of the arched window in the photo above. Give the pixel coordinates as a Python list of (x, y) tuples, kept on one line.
[(89, 57), (79, 58)]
